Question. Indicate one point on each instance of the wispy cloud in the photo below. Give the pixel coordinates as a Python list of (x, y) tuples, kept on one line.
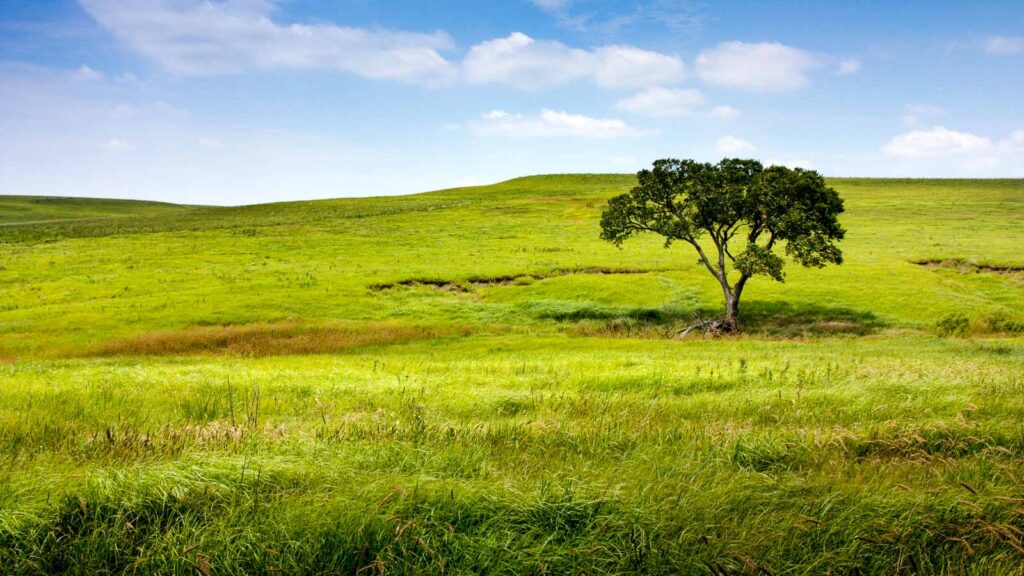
[(595, 17), (791, 163), (87, 74), (762, 67), (1005, 45), (195, 37), (117, 144), (552, 123), (848, 66), (552, 5), (659, 102), (725, 112), (731, 145), (523, 62)]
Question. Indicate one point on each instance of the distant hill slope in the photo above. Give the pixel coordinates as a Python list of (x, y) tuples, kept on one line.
[(521, 254), (48, 209), (44, 218)]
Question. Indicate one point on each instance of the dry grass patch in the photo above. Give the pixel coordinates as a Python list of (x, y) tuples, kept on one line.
[(266, 339)]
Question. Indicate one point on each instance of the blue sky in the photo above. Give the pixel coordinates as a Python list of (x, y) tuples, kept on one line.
[(244, 101)]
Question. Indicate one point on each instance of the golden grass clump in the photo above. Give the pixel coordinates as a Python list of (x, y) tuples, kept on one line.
[(270, 339)]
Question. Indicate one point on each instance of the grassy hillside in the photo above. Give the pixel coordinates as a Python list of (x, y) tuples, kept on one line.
[(470, 381), (67, 286), (35, 210)]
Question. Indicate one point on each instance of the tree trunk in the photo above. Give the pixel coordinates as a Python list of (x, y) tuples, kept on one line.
[(732, 314), (731, 322), (732, 305)]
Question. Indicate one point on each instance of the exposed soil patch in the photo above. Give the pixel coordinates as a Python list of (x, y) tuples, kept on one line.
[(965, 267), (507, 280)]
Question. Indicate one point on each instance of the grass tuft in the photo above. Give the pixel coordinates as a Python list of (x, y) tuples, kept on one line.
[(270, 339)]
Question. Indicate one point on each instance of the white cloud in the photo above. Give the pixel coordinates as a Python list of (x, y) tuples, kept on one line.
[(521, 61), (525, 63), (725, 112), (117, 144), (937, 142), (1005, 45), (551, 5), (87, 74), (792, 163), (627, 67), (730, 145), (939, 147), (848, 66), (766, 66), (661, 102), (551, 123), (197, 37)]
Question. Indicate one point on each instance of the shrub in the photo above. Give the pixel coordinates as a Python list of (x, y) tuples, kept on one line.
[(953, 324), (998, 322)]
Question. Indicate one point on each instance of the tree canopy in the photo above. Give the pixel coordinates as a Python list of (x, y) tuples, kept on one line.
[(736, 214)]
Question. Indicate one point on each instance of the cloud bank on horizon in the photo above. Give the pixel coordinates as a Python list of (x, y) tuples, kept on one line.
[(239, 101)]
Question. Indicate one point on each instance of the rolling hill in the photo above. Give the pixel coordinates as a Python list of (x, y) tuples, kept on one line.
[(470, 381)]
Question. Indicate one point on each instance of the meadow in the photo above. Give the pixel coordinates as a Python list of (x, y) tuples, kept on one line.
[(469, 381)]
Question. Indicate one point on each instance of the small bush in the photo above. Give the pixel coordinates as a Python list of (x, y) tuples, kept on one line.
[(953, 324), (998, 322)]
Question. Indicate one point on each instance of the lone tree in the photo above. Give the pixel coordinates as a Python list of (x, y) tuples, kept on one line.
[(744, 209)]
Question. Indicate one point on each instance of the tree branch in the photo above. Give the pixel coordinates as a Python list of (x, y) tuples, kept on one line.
[(704, 258)]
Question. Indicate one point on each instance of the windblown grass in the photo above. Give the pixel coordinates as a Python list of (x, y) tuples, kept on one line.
[(490, 454), (435, 384)]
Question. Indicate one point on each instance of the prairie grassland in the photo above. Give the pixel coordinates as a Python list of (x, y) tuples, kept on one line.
[(468, 381)]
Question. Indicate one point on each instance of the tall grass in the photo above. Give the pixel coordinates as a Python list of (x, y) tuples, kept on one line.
[(512, 454), (284, 389), (263, 339)]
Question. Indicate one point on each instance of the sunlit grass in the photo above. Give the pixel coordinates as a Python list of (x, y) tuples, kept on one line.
[(454, 383)]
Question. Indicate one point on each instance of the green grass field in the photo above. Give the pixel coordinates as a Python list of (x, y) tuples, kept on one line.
[(470, 381)]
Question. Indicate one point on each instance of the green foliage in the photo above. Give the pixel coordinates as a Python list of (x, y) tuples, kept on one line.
[(684, 200), (760, 260), (732, 202), (795, 206), (960, 324), (953, 324)]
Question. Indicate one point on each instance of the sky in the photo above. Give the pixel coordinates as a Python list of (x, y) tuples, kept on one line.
[(247, 101)]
